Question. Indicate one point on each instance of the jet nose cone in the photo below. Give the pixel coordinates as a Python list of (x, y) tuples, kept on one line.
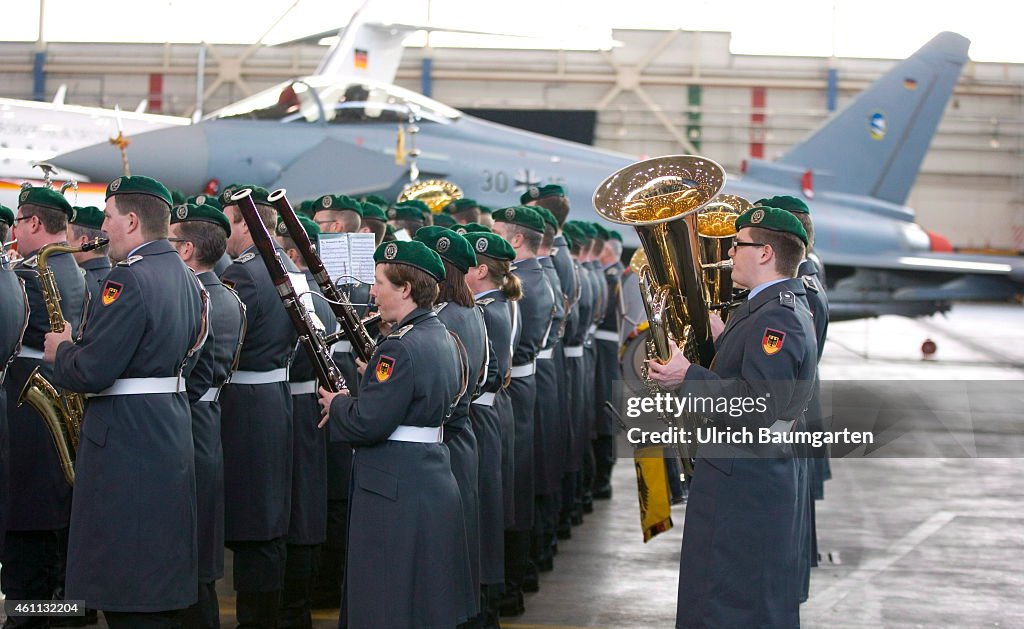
[(177, 157)]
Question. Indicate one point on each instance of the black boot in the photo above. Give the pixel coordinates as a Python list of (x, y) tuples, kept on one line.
[(257, 610)]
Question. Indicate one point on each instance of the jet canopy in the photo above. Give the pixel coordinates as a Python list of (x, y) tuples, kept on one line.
[(334, 100)]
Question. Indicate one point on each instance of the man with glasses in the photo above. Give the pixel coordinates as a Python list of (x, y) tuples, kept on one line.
[(739, 563), (39, 502)]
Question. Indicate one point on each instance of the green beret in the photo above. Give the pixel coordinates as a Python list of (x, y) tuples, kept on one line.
[(206, 199), (423, 208), (534, 193), (311, 228), (546, 214), (6, 215), (259, 195), (406, 211), (615, 235), (177, 197), (412, 253), (89, 216), (449, 245), (786, 202), (444, 220), (586, 230), (573, 234), (491, 245), (774, 219), (374, 211), (338, 202), (485, 209), (306, 208), (45, 197), (521, 215), (139, 185), (601, 232), (378, 200), (203, 213), (461, 205), (471, 228)]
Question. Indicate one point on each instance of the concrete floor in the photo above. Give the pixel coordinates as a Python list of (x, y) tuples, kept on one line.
[(922, 542)]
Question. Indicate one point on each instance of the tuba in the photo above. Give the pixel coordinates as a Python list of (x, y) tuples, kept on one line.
[(683, 269), (436, 193), (61, 412)]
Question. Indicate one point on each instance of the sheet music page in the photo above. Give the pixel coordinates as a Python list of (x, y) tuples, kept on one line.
[(361, 248), (347, 257)]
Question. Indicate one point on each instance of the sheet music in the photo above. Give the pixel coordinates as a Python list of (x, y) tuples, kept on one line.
[(348, 258)]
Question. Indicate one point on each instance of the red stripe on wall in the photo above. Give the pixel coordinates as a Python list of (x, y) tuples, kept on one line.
[(757, 122), (156, 93)]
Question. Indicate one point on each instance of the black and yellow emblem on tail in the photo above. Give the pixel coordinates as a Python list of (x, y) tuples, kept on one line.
[(385, 367), (111, 291), (772, 341)]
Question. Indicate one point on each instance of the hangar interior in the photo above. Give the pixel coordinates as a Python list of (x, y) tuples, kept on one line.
[(657, 93)]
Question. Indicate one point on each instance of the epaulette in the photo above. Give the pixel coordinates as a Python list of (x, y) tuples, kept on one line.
[(242, 259), (611, 271), (130, 261), (787, 299), (811, 284), (439, 307), (486, 301), (31, 262), (401, 332)]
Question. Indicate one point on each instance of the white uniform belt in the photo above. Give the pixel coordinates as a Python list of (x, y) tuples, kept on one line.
[(260, 377), (302, 388), (573, 351), (607, 335), (522, 371), (342, 347), (485, 399), (417, 434), (210, 395), (142, 386), (782, 425), (546, 354), (30, 352)]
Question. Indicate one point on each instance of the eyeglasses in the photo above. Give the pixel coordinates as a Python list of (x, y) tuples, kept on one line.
[(325, 222), (737, 244), (23, 218)]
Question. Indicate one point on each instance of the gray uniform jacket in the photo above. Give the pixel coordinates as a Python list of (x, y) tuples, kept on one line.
[(407, 563), (534, 320), (739, 557), (607, 350), (40, 497), (96, 271), (551, 426), (225, 330), (13, 320), (132, 540), (256, 428)]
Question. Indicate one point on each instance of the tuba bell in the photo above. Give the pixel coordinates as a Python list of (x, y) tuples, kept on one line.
[(436, 193)]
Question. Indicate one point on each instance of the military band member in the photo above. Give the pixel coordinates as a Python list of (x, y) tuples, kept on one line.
[(741, 512), (494, 288), (132, 545), (338, 215), (464, 211), (39, 501), (86, 224), (458, 311), (606, 341), (374, 222), (13, 321), (407, 216), (550, 424), (256, 427), (307, 528), (523, 228), (403, 540), (199, 234), (816, 459)]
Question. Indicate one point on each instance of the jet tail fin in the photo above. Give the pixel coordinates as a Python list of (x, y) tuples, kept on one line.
[(875, 145)]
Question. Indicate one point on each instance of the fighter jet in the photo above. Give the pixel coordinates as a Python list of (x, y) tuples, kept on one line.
[(325, 134)]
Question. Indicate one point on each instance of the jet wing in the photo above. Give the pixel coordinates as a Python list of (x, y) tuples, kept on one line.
[(355, 169)]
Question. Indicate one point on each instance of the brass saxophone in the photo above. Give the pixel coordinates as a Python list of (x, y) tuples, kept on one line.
[(61, 412)]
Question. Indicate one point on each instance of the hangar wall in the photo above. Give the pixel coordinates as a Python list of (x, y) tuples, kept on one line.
[(660, 92)]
